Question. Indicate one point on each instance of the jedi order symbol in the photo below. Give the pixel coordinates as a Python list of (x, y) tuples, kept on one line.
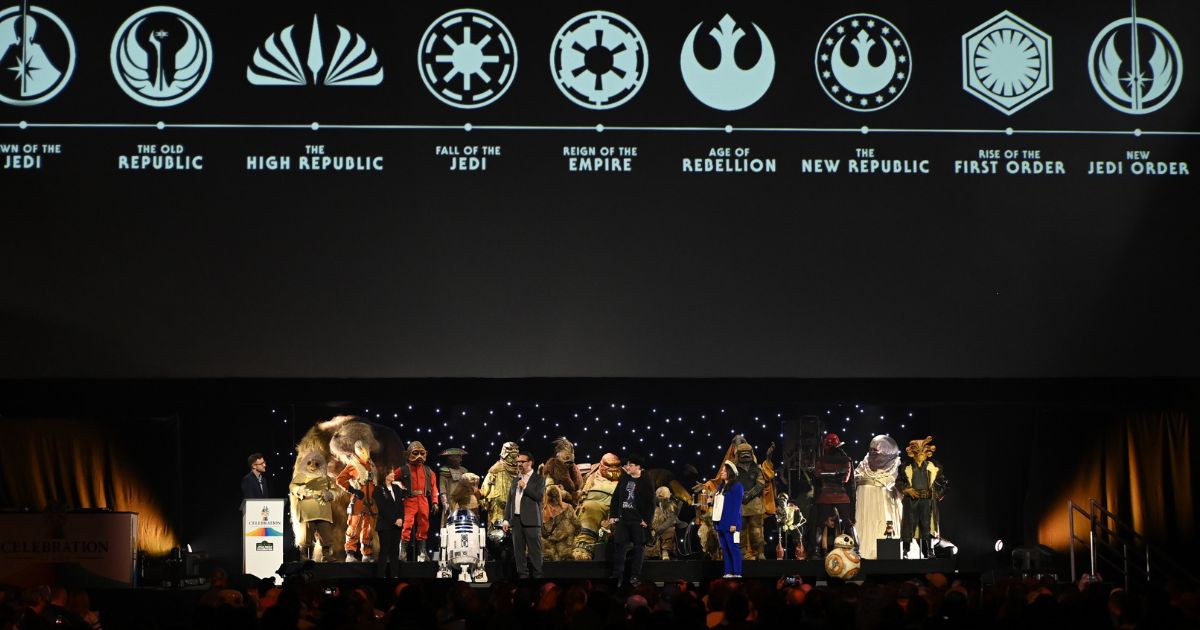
[(727, 87), (38, 51), (161, 56), (874, 73), (1007, 63), (599, 60), (277, 62), (1135, 65), (467, 58)]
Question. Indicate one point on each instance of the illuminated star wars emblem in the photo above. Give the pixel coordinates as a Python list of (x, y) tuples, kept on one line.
[(1135, 65), (870, 72), (599, 60), (37, 55), (467, 58), (277, 62), (161, 56), (727, 87), (1007, 63)]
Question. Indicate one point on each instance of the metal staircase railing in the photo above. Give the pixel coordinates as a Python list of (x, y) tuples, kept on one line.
[(1115, 545)]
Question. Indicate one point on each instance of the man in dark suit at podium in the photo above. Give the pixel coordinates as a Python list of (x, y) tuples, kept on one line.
[(254, 484), (389, 499), (523, 516)]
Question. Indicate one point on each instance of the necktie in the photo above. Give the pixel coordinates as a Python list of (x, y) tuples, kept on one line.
[(262, 487)]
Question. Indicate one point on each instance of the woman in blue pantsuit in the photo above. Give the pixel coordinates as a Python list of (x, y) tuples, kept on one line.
[(727, 518)]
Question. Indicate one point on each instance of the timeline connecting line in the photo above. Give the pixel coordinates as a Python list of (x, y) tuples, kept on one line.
[(468, 127)]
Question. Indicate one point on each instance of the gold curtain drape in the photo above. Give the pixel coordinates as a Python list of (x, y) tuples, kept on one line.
[(82, 465), (1140, 467)]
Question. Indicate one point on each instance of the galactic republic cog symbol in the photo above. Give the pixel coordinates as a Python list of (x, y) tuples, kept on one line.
[(42, 53), (1135, 65), (727, 87), (1007, 63), (874, 74), (276, 61), (599, 60), (161, 56), (467, 58)]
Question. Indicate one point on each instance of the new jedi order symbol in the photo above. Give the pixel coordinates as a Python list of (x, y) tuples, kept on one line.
[(161, 56), (727, 87), (276, 61), (467, 58), (1007, 63), (1135, 65), (599, 60), (37, 49), (874, 73)]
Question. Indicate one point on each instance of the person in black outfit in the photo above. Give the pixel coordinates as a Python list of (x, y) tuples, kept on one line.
[(630, 512), (389, 499), (254, 484), (523, 515)]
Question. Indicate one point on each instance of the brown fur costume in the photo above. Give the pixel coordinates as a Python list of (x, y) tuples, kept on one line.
[(560, 525), (565, 475), (335, 439)]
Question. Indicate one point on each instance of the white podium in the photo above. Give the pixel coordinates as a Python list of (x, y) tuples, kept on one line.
[(262, 536)]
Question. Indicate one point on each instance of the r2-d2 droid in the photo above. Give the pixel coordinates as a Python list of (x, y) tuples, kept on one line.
[(463, 542)]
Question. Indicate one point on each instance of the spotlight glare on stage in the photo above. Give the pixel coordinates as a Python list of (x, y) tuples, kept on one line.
[(999, 545)]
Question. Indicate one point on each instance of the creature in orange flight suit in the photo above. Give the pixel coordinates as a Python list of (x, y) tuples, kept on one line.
[(420, 499), (359, 478)]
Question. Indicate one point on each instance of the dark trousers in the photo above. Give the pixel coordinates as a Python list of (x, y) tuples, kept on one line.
[(731, 552), (918, 514), (527, 539), (389, 551), (624, 535)]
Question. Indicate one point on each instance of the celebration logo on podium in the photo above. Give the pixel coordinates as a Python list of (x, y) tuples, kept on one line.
[(1135, 65), (727, 87), (870, 73), (1007, 63), (39, 52), (161, 56), (352, 63), (467, 58), (599, 60)]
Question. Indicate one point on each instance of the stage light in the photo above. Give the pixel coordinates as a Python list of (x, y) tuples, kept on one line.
[(999, 545), (189, 547)]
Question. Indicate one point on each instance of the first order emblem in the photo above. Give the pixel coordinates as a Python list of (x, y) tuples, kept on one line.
[(467, 58), (599, 60), (727, 87), (37, 55), (1007, 63), (161, 56), (1135, 65), (863, 62)]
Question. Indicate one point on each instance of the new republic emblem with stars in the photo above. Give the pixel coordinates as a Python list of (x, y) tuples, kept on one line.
[(863, 62)]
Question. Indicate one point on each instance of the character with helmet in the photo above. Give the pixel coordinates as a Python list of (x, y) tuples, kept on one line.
[(833, 474), (594, 503)]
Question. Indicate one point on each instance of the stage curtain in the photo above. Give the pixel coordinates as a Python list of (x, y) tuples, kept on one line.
[(80, 465), (1141, 468)]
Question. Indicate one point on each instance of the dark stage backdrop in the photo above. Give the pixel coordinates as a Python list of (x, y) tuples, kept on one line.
[(118, 261)]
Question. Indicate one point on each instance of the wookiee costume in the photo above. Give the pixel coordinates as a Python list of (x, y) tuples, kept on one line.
[(560, 470), (312, 492), (560, 525), (663, 539), (359, 478), (420, 499), (833, 473), (598, 488), (923, 483)]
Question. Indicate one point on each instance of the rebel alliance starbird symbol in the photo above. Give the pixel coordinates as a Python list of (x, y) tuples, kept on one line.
[(862, 77), (727, 87)]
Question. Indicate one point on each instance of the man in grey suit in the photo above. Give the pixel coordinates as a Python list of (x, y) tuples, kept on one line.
[(523, 516)]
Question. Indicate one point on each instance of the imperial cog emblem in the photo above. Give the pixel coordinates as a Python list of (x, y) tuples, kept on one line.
[(1007, 63), (872, 71), (467, 58), (599, 60), (351, 62), (1135, 65), (39, 52), (727, 87), (161, 56)]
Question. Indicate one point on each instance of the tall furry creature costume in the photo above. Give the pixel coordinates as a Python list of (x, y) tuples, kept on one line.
[(560, 525), (497, 482), (594, 504), (420, 498), (359, 478), (561, 470), (923, 483), (662, 527), (312, 492)]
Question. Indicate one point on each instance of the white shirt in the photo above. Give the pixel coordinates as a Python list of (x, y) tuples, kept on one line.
[(520, 493)]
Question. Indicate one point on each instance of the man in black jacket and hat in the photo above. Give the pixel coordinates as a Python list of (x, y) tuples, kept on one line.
[(630, 513)]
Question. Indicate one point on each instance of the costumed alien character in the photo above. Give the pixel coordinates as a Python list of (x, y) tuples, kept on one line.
[(705, 493), (312, 494), (755, 501), (560, 525), (464, 494), (359, 478), (560, 470), (833, 473), (464, 537), (420, 499), (663, 526), (877, 504), (595, 499), (496, 483), (449, 473), (923, 483), (791, 527)]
